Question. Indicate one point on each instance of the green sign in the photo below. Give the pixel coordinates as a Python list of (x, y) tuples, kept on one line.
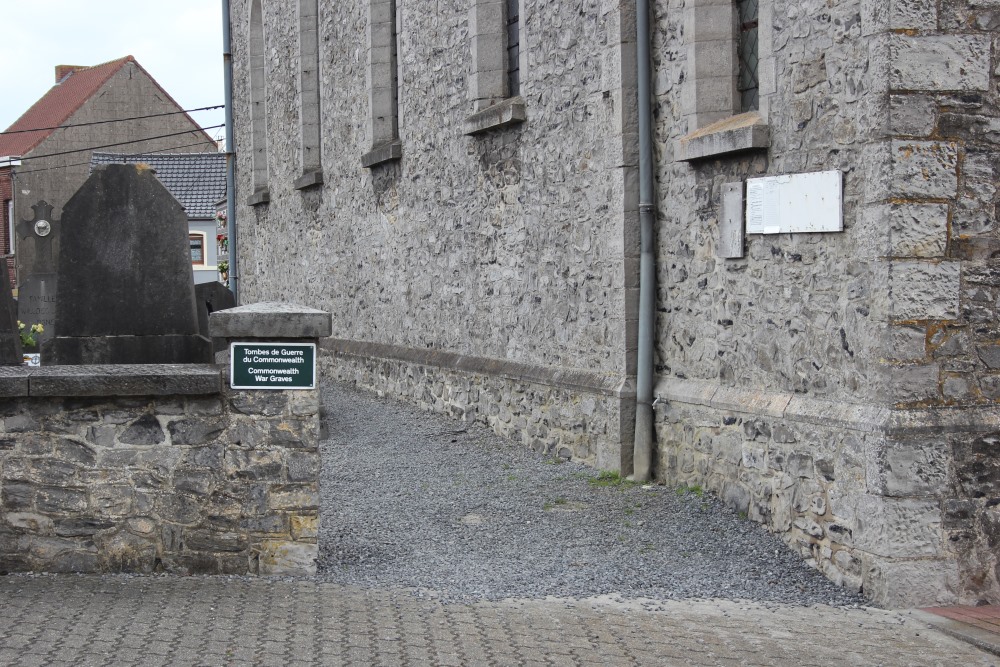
[(272, 365)]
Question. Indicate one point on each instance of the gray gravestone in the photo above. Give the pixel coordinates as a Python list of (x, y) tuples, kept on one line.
[(10, 341), (211, 297), (36, 296), (126, 288)]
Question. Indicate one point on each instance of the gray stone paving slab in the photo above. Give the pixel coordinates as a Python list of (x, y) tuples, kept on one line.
[(52, 620)]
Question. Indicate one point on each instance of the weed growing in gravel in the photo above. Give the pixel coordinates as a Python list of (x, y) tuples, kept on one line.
[(608, 478), (696, 490), (555, 503)]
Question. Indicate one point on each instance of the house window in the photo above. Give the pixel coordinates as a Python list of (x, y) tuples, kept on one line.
[(258, 108), (197, 242), (747, 83), (310, 124), (8, 209)]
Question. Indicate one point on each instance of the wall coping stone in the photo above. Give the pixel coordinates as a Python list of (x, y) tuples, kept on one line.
[(868, 418), (270, 320), (605, 384), (111, 380), (960, 419), (779, 405)]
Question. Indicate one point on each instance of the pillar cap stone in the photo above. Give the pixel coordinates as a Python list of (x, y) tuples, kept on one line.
[(270, 320)]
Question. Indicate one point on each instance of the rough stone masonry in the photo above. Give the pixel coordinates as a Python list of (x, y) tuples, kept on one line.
[(162, 468), (841, 388)]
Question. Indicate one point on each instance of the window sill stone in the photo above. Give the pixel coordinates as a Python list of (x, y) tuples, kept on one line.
[(745, 132), (387, 152), (309, 179), (510, 111), (259, 196)]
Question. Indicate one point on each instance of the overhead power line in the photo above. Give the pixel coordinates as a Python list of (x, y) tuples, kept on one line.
[(120, 143), (79, 164), (114, 120)]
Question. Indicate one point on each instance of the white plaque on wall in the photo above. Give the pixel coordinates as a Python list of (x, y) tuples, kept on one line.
[(795, 203)]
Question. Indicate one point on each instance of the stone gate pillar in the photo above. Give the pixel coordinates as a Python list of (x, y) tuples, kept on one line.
[(272, 341)]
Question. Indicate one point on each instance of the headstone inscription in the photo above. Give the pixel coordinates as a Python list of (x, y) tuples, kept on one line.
[(125, 278), (36, 296)]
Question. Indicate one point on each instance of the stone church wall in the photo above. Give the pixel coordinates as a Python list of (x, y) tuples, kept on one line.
[(509, 246), (841, 388)]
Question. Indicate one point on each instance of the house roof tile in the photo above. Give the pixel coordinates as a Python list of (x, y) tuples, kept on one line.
[(196, 180)]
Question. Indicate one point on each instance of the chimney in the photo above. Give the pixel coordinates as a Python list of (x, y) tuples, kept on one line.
[(62, 71)]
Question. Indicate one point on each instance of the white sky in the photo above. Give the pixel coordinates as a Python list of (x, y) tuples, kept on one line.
[(179, 42)]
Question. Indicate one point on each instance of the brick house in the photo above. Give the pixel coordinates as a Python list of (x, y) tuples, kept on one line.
[(7, 210), (114, 104), (461, 180)]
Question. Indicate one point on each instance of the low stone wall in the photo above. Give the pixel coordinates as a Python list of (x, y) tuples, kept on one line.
[(155, 468), (895, 503), (587, 417), (149, 468)]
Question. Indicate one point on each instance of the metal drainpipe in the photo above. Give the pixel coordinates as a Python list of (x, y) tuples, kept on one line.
[(227, 58), (644, 418)]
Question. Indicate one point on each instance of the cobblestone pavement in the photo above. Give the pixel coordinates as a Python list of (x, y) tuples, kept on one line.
[(149, 621)]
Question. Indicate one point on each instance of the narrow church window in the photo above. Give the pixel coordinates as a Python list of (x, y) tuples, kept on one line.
[(495, 41), (513, 49), (258, 111), (748, 57), (730, 57), (394, 69), (310, 94), (383, 83)]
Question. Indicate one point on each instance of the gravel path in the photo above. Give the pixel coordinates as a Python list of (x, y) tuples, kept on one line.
[(418, 500)]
